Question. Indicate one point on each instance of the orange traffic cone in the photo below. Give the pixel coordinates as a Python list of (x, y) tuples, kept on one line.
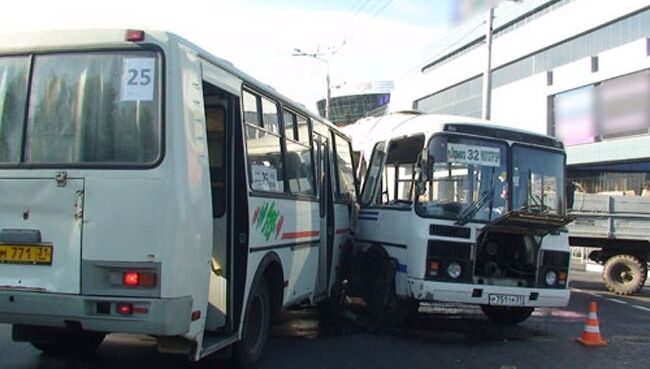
[(591, 335)]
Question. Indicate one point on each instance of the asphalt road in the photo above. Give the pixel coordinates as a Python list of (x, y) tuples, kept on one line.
[(446, 336)]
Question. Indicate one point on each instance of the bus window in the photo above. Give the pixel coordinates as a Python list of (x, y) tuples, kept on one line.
[(303, 130), (300, 170), (290, 125), (263, 149), (345, 169), (251, 115), (13, 96), (80, 113), (270, 116), (373, 173)]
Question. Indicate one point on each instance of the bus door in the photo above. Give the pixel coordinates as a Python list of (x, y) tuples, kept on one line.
[(218, 108), (324, 173)]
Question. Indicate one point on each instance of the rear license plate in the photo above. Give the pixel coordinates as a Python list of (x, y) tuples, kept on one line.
[(506, 300), (26, 254)]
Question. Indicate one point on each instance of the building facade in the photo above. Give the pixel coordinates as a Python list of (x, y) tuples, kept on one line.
[(575, 69), (351, 102)]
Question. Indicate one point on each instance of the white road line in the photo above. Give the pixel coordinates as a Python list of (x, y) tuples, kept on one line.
[(641, 307), (587, 292), (617, 301)]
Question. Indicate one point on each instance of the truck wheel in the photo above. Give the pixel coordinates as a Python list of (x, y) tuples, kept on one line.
[(70, 344), (255, 332), (510, 315), (625, 274)]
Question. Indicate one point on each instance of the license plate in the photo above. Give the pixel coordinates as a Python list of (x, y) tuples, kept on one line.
[(26, 254), (506, 300)]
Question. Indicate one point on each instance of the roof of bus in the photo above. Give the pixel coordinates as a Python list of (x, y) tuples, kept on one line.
[(367, 131), (89, 39)]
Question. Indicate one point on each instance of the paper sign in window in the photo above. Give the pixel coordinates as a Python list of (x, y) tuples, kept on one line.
[(138, 79)]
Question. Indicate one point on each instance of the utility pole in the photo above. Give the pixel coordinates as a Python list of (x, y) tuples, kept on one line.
[(487, 75)]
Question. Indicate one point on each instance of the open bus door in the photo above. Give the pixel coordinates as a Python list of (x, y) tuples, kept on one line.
[(324, 174)]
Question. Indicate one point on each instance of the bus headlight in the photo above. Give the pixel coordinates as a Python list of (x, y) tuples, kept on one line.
[(551, 278), (454, 270)]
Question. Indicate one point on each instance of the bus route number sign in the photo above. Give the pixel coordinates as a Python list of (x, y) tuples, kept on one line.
[(473, 154), (138, 79)]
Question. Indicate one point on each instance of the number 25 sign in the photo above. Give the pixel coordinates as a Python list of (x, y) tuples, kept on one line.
[(138, 76)]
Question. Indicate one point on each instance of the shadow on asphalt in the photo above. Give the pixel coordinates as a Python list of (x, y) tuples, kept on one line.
[(440, 325)]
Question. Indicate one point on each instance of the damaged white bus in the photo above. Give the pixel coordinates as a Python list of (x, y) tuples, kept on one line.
[(459, 210), (149, 187)]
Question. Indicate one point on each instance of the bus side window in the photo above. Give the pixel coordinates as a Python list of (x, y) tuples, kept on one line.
[(263, 141), (346, 189)]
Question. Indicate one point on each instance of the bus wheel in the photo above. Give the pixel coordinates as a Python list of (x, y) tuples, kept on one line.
[(625, 274), (256, 327), (507, 314), (70, 344)]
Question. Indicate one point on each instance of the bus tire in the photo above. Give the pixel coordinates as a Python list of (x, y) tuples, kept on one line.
[(625, 274), (247, 352), (509, 315), (70, 344)]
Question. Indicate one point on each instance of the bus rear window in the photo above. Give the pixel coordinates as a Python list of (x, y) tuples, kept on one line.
[(86, 108)]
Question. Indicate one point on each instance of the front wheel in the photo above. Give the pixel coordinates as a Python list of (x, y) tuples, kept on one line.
[(70, 344), (248, 351), (510, 315), (625, 274)]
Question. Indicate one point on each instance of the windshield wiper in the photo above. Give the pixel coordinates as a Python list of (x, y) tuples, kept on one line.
[(478, 204), (537, 200)]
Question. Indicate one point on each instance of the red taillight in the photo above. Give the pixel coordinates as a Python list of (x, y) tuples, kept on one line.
[(138, 279), (434, 265), (131, 278), (134, 35), (124, 309)]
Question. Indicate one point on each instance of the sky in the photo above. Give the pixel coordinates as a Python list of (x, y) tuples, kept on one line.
[(373, 39)]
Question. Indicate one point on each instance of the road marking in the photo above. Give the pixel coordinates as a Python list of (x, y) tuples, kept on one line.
[(617, 301), (641, 307), (587, 292)]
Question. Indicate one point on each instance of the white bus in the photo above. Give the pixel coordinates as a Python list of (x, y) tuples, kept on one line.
[(149, 187), (460, 210)]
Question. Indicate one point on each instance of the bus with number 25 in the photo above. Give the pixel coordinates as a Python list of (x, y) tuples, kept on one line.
[(149, 187)]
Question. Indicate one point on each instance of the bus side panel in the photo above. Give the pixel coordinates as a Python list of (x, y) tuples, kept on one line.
[(291, 229)]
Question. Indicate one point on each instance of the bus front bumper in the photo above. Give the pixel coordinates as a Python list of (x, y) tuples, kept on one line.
[(481, 294), (158, 317)]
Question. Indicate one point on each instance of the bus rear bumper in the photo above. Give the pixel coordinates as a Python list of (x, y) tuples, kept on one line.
[(479, 294), (159, 317)]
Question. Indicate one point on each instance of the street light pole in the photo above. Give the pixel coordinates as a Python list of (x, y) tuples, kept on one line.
[(487, 75)]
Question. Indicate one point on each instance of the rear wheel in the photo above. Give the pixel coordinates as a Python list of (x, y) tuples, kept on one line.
[(625, 274), (507, 314), (248, 351), (70, 344)]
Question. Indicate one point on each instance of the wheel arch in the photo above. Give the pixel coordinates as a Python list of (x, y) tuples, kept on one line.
[(270, 268)]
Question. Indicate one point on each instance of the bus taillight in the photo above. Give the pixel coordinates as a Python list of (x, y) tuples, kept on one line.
[(138, 279)]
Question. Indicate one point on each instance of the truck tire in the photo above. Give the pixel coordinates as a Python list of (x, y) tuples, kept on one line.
[(509, 315), (70, 344), (247, 352), (625, 274)]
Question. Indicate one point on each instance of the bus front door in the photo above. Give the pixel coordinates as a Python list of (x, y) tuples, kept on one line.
[(323, 157)]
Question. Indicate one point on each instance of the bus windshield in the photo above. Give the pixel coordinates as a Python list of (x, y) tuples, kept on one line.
[(464, 178), (80, 108), (538, 180)]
